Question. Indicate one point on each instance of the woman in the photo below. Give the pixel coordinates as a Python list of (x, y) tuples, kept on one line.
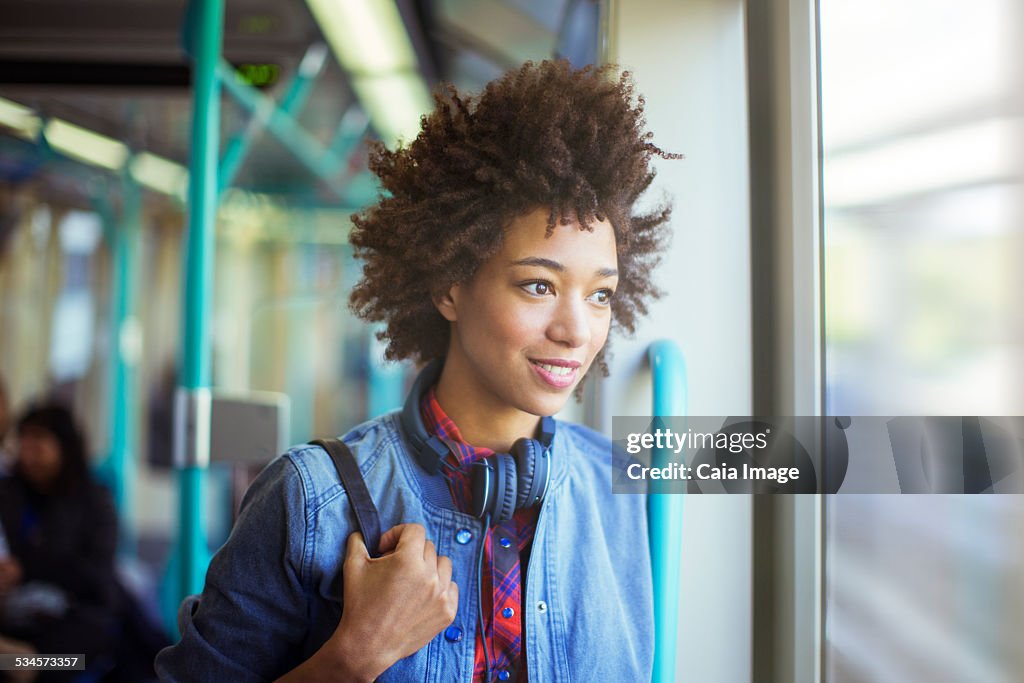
[(57, 585), (505, 249)]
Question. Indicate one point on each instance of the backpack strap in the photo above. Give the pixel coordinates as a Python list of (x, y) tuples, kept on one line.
[(352, 479)]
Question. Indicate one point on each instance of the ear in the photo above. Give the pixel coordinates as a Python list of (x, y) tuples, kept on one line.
[(447, 304)]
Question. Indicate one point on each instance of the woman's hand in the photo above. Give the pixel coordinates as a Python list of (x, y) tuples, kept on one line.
[(394, 605)]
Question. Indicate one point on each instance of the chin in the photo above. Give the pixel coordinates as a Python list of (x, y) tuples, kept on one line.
[(548, 405)]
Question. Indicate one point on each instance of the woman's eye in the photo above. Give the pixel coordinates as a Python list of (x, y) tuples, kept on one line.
[(537, 288), (602, 296)]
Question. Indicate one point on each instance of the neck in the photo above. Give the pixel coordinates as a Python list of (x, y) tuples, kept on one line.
[(482, 420)]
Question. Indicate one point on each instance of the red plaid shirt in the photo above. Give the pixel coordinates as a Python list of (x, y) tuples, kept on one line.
[(501, 580)]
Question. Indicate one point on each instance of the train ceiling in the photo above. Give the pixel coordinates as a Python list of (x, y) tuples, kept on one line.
[(119, 68)]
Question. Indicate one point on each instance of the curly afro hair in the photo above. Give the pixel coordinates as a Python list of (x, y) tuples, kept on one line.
[(546, 135)]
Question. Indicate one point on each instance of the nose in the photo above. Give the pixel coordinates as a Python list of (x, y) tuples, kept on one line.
[(570, 325)]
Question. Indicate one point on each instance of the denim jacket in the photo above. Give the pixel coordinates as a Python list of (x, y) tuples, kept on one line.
[(273, 591)]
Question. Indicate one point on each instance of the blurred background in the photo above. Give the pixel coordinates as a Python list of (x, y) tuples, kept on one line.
[(922, 139), (846, 237)]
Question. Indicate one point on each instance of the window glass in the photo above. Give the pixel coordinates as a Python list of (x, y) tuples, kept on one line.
[(921, 125)]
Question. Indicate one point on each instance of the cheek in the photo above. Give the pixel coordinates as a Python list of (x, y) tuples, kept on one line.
[(599, 331), (517, 324), (53, 459)]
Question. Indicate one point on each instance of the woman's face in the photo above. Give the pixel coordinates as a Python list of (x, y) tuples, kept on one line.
[(39, 457), (530, 322)]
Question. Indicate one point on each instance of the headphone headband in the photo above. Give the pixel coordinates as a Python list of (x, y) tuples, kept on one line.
[(430, 451)]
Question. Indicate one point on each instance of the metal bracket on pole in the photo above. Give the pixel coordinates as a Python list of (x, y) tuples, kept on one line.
[(192, 411)]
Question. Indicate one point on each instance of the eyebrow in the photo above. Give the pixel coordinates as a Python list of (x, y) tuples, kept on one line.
[(558, 267)]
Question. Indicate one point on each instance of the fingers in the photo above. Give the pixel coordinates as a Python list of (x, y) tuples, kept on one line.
[(389, 539), (429, 554), (452, 598), (444, 570), (355, 549), (412, 534), (411, 540)]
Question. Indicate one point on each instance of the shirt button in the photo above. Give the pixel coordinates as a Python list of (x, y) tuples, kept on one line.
[(542, 606), (453, 634), (505, 543), (507, 612), (502, 675), (463, 536)]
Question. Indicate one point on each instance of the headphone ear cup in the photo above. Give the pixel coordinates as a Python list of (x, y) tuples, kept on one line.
[(494, 488), (505, 485), (528, 453), (482, 474)]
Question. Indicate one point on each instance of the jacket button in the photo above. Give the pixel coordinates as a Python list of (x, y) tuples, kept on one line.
[(505, 543), (507, 612), (542, 606), (502, 675), (463, 536), (453, 634)]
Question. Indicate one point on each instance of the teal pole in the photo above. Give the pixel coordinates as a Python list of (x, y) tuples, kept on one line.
[(120, 466), (193, 405), (351, 129), (665, 512)]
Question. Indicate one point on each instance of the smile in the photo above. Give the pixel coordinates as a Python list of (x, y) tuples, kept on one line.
[(556, 373), (555, 369)]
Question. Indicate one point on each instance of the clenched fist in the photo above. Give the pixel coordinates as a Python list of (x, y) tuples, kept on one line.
[(394, 605)]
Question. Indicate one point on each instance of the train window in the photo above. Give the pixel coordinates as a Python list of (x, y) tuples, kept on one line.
[(922, 230)]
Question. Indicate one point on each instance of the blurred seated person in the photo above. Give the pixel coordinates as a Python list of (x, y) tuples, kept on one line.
[(58, 590)]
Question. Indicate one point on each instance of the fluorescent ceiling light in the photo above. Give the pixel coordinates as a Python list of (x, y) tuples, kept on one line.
[(394, 104), (85, 145), (367, 36), (159, 174), (370, 42), (20, 118), (972, 154), (148, 169)]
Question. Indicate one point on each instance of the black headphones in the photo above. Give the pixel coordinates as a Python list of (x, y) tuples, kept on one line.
[(503, 482)]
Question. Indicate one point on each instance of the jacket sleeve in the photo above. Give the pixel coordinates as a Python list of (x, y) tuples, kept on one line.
[(252, 616)]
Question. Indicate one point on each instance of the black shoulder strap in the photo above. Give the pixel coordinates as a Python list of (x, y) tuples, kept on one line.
[(352, 479)]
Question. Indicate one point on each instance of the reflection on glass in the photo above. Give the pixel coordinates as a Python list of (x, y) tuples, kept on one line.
[(923, 197)]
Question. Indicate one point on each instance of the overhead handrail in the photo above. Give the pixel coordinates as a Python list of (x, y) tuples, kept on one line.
[(291, 103), (665, 511)]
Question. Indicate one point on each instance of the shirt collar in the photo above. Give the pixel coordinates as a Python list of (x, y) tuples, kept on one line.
[(437, 423)]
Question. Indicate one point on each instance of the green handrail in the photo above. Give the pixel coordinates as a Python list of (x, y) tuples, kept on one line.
[(282, 125), (121, 461), (207, 32), (665, 512), (291, 103)]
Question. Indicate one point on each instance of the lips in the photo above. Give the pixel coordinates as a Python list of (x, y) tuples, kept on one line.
[(556, 372), (557, 362)]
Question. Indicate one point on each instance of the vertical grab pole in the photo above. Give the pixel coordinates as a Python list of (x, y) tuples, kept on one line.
[(665, 512), (120, 464), (192, 409)]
